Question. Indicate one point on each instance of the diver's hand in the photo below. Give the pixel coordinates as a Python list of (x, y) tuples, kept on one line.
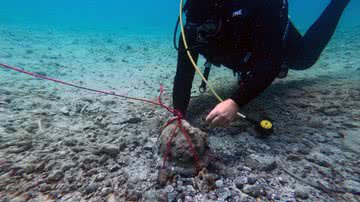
[(223, 114)]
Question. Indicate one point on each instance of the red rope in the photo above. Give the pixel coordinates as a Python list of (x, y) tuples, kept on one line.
[(159, 102)]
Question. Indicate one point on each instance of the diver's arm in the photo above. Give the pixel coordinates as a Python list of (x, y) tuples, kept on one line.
[(260, 79), (183, 79)]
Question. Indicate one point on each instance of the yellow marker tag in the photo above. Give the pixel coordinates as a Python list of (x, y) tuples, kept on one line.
[(266, 124)]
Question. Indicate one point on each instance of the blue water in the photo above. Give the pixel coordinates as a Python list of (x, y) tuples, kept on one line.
[(125, 46), (112, 15)]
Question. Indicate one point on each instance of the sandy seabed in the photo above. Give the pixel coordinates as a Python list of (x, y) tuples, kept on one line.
[(63, 144)]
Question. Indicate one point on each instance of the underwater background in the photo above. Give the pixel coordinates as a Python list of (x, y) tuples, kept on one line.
[(112, 15), (61, 143)]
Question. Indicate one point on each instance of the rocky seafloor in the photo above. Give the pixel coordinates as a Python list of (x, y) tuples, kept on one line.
[(63, 144)]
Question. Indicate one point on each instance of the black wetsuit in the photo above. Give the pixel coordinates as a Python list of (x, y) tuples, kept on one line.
[(255, 37)]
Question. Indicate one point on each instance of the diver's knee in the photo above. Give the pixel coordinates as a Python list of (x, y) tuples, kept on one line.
[(309, 62), (304, 63)]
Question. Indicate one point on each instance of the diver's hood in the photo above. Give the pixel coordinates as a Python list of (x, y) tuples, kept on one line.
[(199, 10)]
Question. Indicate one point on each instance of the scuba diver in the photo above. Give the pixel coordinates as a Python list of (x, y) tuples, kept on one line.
[(254, 38)]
